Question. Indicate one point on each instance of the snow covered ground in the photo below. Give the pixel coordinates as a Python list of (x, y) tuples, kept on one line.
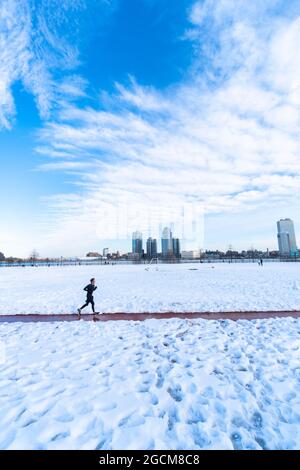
[(158, 384), (131, 288)]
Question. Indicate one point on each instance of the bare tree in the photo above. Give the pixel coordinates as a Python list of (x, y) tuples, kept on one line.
[(34, 255)]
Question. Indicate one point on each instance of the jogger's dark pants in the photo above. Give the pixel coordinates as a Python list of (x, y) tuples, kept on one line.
[(89, 300)]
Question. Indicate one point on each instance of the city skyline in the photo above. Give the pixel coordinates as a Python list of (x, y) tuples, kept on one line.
[(170, 246), (286, 238), (285, 231), (116, 114)]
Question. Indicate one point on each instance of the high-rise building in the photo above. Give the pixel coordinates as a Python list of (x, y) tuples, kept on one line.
[(151, 248), (286, 237), (166, 243), (105, 251), (176, 247), (137, 243)]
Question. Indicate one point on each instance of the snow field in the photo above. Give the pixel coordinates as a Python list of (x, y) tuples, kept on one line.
[(159, 384), (131, 288)]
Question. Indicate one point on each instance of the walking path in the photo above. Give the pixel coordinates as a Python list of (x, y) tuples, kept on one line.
[(146, 316)]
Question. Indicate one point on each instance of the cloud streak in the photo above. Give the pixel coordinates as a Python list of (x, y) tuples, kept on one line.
[(39, 47)]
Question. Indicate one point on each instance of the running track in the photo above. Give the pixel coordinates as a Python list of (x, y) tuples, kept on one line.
[(145, 316)]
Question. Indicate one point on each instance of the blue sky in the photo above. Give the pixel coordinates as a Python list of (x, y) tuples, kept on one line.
[(123, 115)]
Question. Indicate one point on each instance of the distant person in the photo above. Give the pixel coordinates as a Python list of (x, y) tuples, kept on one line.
[(261, 262), (90, 288)]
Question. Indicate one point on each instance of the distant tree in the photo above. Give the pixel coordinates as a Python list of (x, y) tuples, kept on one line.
[(2, 257), (34, 255)]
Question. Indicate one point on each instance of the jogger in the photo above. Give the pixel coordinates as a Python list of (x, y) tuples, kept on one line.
[(90, 288)]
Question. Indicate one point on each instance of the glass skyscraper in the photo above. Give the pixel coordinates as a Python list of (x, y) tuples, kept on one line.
[(151, 248), (137, 243), (286, 237), (176, 247), (166, 243)]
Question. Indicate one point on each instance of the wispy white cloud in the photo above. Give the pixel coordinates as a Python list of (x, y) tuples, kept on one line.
[(14, 35), (39, 47)]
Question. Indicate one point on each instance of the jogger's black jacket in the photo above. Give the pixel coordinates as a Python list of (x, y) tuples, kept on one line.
[(90, 289)]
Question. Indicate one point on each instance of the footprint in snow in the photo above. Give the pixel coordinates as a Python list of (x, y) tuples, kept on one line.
[(195, 416), (176, 392), (257, 420), (236, 440), (108, 406)]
